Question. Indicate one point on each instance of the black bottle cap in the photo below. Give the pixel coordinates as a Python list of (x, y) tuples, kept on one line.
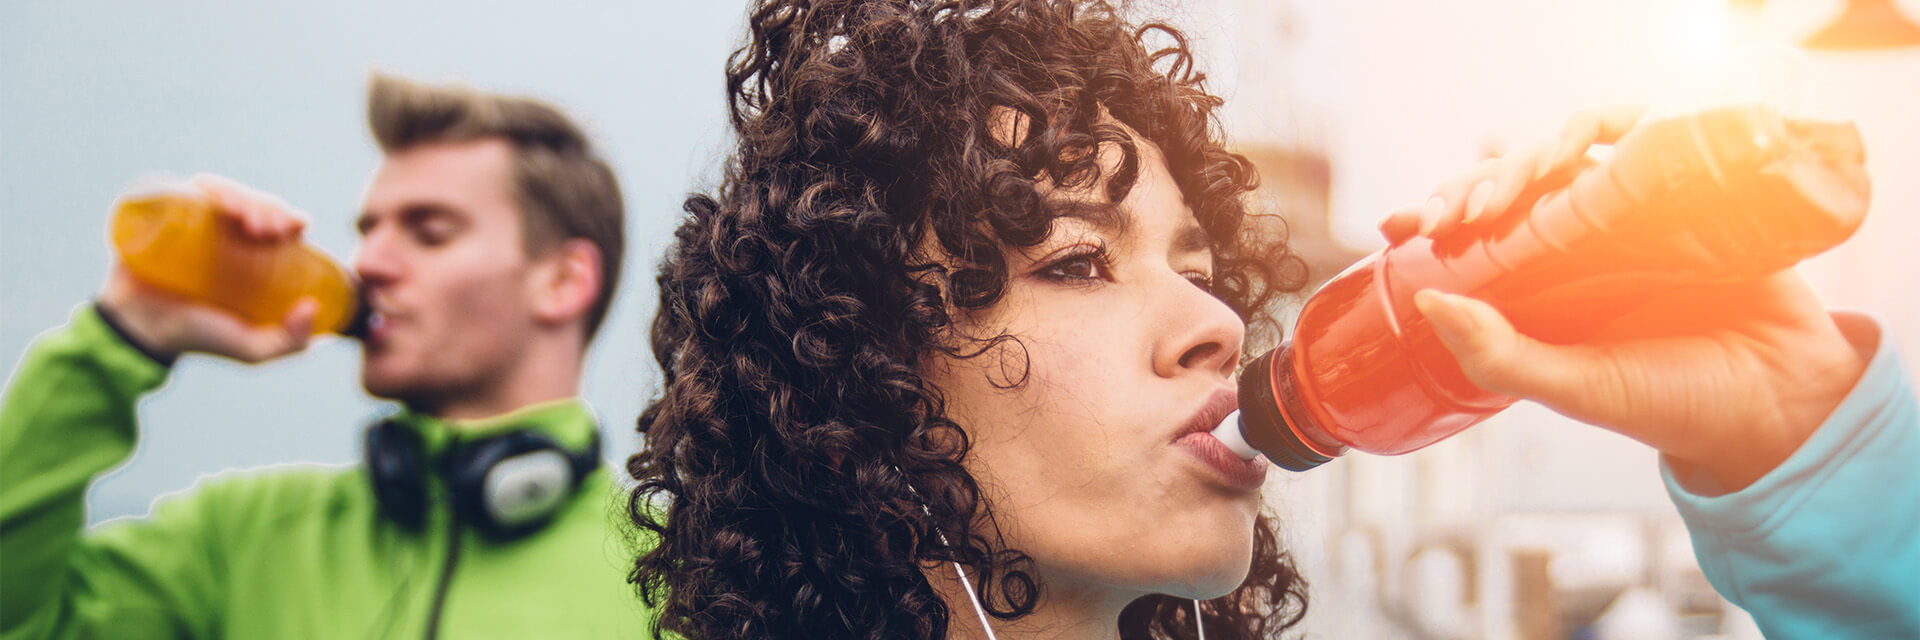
[(1265, 407), (356, 326)]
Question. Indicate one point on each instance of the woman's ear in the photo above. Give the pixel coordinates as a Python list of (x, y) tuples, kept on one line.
[(569, 286)]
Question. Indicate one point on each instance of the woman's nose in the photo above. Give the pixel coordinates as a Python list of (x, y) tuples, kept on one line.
[(1200, 333)]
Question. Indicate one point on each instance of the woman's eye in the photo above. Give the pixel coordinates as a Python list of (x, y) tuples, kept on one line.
[(1083, 267), (1204, 281)]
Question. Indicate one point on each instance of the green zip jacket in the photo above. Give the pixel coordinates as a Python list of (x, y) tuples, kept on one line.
[(290, 553)]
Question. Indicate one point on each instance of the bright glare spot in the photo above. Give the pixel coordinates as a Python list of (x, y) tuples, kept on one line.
[(1722, 61), (1705, 30), (1778, 77)]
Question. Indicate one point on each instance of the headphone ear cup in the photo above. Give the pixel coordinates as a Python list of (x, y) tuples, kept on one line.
[(511, 485), (397, 473)]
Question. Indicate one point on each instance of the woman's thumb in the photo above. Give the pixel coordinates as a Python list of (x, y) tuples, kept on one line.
[(1491, 352)]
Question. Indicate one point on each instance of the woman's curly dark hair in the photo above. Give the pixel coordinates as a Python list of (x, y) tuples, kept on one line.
[(799, 473)]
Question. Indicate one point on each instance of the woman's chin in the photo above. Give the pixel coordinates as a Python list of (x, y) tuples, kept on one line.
[(1218, 573), (1221, 583)]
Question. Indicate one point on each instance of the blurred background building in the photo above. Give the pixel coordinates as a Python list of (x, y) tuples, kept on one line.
[(1527, 527)]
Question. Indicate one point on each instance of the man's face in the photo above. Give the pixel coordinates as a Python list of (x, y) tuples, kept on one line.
[(446, 271)]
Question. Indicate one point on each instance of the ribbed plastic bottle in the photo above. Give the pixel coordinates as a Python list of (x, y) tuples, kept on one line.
[(174, 241), (1721, 195)]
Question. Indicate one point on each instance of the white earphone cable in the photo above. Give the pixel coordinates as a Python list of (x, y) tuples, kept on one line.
[(975, 598), (972, 597), (957, 569)]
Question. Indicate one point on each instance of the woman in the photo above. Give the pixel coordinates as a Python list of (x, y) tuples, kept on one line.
[(977, 275), (941, 352)]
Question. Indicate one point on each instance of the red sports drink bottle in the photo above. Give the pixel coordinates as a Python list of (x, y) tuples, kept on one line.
[(1723, 195)]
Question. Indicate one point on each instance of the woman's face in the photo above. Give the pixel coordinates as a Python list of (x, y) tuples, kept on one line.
[(1099, 463)]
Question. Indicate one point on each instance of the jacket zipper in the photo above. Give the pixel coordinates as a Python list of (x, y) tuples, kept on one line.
[(446, 580), (446, 573)]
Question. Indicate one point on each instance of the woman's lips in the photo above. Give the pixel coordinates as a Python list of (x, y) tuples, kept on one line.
[(1244, 475)]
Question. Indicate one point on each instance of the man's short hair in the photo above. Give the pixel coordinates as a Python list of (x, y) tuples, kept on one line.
[(564, 189)]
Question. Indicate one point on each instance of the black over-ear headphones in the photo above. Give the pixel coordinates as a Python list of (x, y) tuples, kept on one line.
[(504, 486)]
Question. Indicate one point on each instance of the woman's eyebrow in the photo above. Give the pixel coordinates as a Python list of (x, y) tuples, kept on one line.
[(1192, 238), (1106, 216)]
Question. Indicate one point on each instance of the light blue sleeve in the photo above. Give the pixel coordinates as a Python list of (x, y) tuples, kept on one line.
[(1827, 545)]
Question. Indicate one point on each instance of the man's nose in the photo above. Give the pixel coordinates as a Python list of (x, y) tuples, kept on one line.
[(376, 262)]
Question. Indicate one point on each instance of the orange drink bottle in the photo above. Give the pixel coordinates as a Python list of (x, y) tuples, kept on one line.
[(174, 241)]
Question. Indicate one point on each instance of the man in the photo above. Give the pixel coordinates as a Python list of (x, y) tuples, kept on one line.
[(490, 247)]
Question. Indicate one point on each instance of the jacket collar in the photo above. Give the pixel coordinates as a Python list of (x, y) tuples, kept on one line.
[(567, 421)]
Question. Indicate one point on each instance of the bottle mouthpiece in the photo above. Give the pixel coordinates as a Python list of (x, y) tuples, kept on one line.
[(361, 321), (1229, 434)]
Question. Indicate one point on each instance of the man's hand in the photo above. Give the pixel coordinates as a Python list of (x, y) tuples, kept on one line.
[(168, 326), (1729, 377)]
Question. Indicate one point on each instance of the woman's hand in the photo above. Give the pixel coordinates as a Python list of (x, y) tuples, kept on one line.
[(1729, 377)]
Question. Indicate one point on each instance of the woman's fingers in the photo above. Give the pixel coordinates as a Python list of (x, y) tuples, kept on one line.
[(1597, 126), (1511, 175), (1490, 189), (1491, 352), (1443, 210), (1401, 224)]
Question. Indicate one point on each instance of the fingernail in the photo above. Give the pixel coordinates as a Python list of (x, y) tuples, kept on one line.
[(1477, 201), (1394, 233), (1430, 214), (1566, 155), (1545, 164)]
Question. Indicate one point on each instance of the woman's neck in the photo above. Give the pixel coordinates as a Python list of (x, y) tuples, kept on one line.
[(1065, 612)]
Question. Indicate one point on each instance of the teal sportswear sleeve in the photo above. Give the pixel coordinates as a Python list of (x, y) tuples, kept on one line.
[(1827, 545)]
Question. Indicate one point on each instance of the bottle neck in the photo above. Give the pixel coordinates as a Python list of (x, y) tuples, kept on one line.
[(1275, 418)]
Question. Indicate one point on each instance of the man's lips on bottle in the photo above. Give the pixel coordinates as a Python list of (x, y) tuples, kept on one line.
[(381, 323)]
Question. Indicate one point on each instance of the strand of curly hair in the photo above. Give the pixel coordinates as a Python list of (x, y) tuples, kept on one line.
[(798, 471)]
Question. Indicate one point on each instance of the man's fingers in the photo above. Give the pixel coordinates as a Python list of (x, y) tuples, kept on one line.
[(290, 336), (258, 214), (299, 320), (230, 336)]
